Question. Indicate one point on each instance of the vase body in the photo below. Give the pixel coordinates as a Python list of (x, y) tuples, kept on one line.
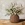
[(14, 18)]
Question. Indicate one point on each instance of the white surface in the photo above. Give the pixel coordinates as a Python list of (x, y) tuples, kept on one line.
[(5, 4)]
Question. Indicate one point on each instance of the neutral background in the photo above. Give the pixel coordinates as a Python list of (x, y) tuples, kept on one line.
[(6, 3)]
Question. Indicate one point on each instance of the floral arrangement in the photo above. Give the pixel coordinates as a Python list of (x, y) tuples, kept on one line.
[(15, 9)]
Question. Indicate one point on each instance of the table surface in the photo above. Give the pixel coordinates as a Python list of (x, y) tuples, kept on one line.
[(7, 22)]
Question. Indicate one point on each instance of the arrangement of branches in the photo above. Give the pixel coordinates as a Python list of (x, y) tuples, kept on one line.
[(15, 10)]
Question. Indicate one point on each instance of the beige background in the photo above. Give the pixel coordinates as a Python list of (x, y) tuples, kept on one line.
[(6, 3)]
